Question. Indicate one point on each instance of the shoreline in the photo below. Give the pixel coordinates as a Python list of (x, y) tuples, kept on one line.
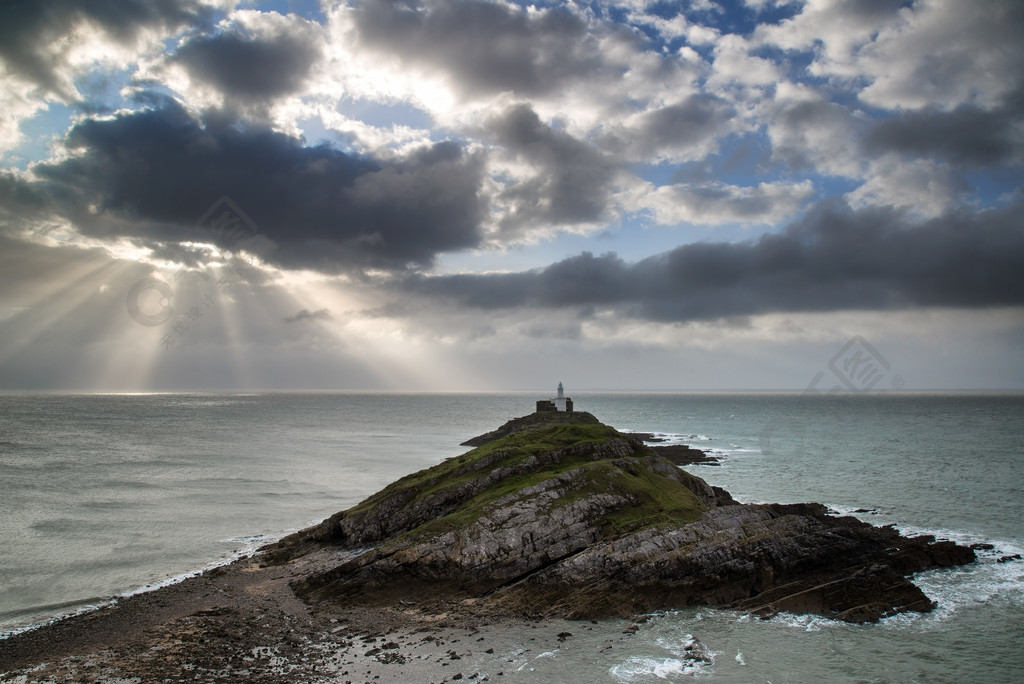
[(90, 605), (550, 521), (242, 621)]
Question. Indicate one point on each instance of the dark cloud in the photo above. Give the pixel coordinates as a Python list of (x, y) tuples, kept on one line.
[(834, 259), (686, 122), (486, 47), (307, 315), (152, 175), (30, 28), (684, 125), (574, 179), (967, 135), (250, 68), (802, 126)]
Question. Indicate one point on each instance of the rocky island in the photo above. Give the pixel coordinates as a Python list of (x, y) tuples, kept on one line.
[(553, 516)]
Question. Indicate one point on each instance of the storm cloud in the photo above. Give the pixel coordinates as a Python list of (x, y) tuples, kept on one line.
[(836, 258), (967, 135), (249, 68), (151, 175)]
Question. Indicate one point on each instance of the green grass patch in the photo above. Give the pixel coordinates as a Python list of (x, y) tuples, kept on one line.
[(655, 499), (462, 468)]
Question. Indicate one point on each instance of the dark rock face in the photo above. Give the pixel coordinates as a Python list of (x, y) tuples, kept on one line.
[(758, 558), (584, 522), (681, 454)]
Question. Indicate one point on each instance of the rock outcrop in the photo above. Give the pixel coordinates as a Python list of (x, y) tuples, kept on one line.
[(533, 421), (560, 516), (681, 454)]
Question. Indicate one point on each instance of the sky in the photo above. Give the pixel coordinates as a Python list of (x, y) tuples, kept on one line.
[(477, 195)]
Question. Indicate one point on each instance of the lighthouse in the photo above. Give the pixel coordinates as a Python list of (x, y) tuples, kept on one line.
[(559, 403), (560, 399)]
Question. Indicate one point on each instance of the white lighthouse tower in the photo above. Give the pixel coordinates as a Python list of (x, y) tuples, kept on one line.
[(559, 403), (560, 399)]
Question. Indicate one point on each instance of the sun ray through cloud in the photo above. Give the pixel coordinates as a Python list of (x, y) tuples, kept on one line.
[(391, 194)]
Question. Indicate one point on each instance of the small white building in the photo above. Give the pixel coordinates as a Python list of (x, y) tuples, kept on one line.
[(560, 399), (559, 403)]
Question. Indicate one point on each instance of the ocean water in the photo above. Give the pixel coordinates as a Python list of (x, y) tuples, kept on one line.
[(102, 495)]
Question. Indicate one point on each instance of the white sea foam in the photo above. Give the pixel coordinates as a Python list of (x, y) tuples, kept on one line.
[(803, 622), (641, 668), (252, 541), (996, 575), (672, 438), (987, 582), (860, 512)]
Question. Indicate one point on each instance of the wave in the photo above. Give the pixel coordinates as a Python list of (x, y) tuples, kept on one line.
[(668, 438), (805, 622), (690, 658), (642, 668), (997, 576)]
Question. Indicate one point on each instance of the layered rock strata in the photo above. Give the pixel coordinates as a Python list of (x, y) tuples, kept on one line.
[(573, 519)]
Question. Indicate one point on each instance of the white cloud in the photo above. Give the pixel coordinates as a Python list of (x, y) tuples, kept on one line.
[(925, 187), (943, 54), (933, 53), (601, 78), (18, 105), (734, 64), (83, 47), (676, 27), (833, 29), (379, 140), (807, 129)]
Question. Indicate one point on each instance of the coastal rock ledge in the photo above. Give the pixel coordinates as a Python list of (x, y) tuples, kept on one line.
[(557, 515)]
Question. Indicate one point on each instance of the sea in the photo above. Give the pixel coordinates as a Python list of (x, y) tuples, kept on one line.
[(104, 495)]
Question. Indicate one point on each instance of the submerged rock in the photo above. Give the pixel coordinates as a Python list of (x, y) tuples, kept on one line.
[(558, 515)]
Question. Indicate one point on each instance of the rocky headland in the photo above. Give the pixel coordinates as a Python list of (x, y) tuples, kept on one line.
[(553, 516), (557, 515)]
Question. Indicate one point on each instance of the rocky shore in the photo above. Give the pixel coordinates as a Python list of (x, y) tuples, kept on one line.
[(552, 517)]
